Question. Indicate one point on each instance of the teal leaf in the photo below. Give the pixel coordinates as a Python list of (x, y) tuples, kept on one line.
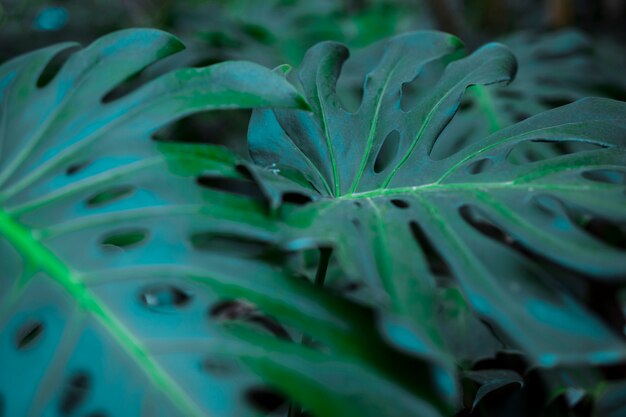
[(491, 380), (403, 221), (132, 284)]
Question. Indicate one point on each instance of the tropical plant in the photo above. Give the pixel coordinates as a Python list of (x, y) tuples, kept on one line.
[(360, 266)]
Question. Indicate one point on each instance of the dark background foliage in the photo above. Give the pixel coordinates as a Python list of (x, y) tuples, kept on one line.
[(275, 32)]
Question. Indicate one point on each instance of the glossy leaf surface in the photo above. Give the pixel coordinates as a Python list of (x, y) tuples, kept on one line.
[(510, 232), (124, 290)]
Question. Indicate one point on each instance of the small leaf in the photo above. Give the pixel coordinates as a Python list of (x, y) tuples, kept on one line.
[(492, 380)]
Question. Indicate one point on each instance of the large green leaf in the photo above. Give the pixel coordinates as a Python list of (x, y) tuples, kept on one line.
[(518, 237), (122, 289), (555, 69)]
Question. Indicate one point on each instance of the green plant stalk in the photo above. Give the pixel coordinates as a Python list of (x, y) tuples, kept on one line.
[(26, 242), (320, 277)]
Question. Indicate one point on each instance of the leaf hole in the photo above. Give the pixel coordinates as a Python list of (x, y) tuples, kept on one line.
[(388, 151), (232, 310), (75, 392), (480, 166), (164, 298), (28, 334), (475, 218), (76, 168), (540, 150), (231, 243), (110, 195), (436, 264), (607, 176), (219, 367), (264, 399), (125, 238), (296, 198), (237, 186), (401, 204), (53, 67)]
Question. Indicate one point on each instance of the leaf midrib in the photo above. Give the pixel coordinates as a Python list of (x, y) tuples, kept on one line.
[(23, 240), (372, 131), (437, 187)]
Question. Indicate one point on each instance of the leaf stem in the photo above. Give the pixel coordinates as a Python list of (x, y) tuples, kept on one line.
[(322, 266), (320, 276)]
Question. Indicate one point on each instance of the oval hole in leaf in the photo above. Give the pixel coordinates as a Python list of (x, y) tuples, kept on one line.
[(54, 66), (76, 168), (238, 186), (387, 152), (74, 393), (296, 198), (480, 166), (270, 324), (539, 150), (230, 244), (219, 127), (110, 195), (219, 367), (475, 218), (125, 238), (164, 298), (28, 334), (232, 310), (242, 310), (548, 204), (436, 264), (264, 399), (607, 176), (401, 204)]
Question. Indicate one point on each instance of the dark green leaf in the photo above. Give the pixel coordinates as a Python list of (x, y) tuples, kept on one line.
[(510, 233), (132, 284), (492, 380)]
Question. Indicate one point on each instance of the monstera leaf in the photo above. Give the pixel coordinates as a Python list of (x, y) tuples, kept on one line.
[(518, 237), (554, 69), (122, 289)]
